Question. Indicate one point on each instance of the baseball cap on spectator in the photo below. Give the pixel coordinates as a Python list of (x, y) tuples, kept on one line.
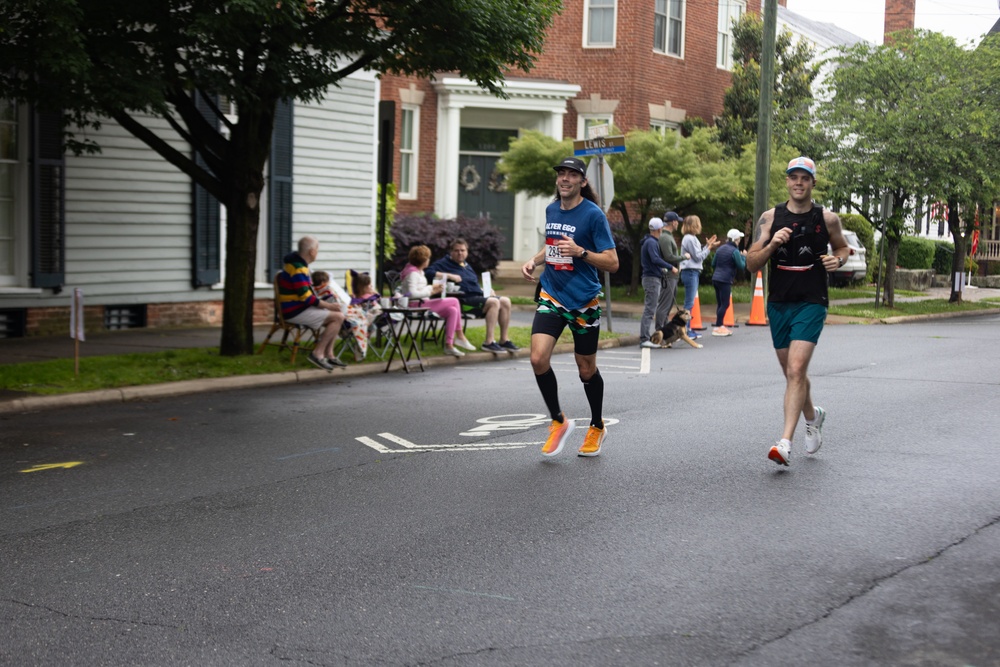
[(655, 223), (670, 216), (734, 235), (574, 163), (803, 163)]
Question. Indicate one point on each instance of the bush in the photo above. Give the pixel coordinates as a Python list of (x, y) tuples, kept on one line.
[(437, 234), (915, 253), (944, 257)]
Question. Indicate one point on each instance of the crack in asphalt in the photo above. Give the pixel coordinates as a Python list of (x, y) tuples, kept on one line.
[(874, 584), (83, 617)]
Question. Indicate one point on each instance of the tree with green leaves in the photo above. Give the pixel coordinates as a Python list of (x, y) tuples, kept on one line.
[(916, 118), (117, 59), (793, 96)]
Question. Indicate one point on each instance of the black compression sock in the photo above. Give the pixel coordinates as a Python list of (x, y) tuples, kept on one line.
[(594, 388), (550, 393)]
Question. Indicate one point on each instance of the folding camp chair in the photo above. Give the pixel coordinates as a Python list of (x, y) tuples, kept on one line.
[(297, 331)]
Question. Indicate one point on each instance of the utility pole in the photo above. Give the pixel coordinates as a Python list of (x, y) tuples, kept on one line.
[(765, 111), (765, 114)]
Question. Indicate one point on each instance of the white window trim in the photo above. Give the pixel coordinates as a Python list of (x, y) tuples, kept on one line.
[(20, 229), (663, 126), (586, 27), (665, 51), (724, 57), (582, 118), (413, 152)]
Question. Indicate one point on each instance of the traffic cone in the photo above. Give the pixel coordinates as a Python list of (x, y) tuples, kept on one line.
[(757, 317), (695, 323), (729, 319)]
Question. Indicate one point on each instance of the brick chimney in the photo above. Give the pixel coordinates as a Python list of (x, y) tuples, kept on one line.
[(899, 15)]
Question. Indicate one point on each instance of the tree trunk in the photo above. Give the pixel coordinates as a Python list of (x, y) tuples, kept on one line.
[(243, 182), (891, 254), (958, 259)]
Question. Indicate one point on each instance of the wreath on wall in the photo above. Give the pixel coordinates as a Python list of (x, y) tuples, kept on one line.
[(469, 178), (498, 182)]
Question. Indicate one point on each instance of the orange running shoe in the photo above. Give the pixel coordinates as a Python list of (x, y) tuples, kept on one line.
[(558, 434), (592, 443)]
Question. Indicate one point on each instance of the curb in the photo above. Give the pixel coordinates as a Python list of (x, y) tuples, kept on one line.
[(186, 387)]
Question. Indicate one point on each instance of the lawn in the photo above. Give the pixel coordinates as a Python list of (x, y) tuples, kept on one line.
[(926, 307), (129, 370)]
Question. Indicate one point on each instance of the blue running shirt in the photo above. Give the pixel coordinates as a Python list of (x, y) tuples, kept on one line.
[(573, 281)]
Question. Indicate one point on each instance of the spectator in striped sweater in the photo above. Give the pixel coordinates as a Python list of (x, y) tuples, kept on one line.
[(300, 305)]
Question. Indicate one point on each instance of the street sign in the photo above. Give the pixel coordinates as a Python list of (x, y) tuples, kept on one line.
[(599, 146)]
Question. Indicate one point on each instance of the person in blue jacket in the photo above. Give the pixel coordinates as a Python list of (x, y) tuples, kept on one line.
[(653, 268), (729, 263)]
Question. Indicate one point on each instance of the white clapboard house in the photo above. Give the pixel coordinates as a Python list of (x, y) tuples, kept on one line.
[(145, 245)]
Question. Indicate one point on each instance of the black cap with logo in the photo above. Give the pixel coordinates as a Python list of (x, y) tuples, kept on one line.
[(574, 163)]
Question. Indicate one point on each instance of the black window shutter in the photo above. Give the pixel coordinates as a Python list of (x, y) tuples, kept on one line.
[(279, 188), (205, 214), (48, 201)]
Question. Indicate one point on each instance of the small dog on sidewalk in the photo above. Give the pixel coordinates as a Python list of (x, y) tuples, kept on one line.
[(675, 330)]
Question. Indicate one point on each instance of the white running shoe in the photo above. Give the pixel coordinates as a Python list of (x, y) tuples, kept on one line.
[(814, 431), (453, 352), (780, 452), (464, 343), (649, 343)]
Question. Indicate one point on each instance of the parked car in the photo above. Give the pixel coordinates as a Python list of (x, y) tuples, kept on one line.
[(856, 267)]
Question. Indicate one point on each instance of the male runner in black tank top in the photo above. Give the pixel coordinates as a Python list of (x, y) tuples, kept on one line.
[(793, 237)]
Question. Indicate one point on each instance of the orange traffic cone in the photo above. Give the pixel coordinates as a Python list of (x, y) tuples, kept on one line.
[(729, 319), (695, 322), (757, 317)]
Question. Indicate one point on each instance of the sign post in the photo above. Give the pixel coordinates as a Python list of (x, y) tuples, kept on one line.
[(603, 182), (76, 327)]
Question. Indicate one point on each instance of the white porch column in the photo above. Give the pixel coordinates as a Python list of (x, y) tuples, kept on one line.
[(446, 174)]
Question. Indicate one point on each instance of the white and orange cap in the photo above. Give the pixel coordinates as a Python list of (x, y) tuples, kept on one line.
[(803, 163)]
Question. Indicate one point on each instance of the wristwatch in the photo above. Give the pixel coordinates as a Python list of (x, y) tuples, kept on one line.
[(583, 255), (840, 261)]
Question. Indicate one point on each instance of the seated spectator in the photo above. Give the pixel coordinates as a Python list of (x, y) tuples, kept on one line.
[(321, 285), (494, 309), (301, 305), (415, 286)]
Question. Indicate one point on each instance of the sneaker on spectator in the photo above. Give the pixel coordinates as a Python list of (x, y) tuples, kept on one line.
[(336, 363), (558, 434), (693, 335), (592, 442), (814, 431), (509, 346), (780, 452), (648, 343), (319, 362), (465, 344), (452, 352), (493, 347), (721, 331)]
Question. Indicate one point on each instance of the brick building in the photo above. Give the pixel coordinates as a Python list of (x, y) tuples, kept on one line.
[(641, 64)]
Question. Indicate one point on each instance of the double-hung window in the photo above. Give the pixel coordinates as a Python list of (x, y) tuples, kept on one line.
[(599, 23), (668, 27), (730, 12), (409, 143)]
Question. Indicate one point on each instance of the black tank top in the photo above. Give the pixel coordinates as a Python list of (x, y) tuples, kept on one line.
[(797, 273)]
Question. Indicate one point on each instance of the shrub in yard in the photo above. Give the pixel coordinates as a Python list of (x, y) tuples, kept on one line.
[(944, 256), (437, 234), (915, 253), (623, 276)]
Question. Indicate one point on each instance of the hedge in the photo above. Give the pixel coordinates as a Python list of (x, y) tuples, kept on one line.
[(484, 239), (944, 257), (915, 253)]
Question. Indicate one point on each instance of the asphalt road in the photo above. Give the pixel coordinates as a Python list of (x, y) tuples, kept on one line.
[(410, 520)]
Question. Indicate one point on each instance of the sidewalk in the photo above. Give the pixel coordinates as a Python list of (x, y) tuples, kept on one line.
[(21, 350)]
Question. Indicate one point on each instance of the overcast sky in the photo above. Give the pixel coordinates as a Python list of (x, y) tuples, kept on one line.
[(964, 20)]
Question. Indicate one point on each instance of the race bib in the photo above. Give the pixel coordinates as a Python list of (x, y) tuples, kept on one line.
[(554, 259)]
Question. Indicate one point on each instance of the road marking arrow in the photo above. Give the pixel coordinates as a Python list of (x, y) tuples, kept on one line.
[(53, 466)]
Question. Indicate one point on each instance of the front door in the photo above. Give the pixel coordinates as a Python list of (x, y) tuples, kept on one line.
[(482, 191)]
